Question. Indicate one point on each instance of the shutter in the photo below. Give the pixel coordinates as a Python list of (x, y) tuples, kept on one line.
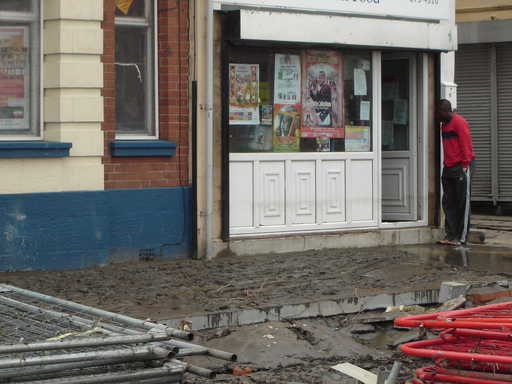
[(504, 75), (472, 75)]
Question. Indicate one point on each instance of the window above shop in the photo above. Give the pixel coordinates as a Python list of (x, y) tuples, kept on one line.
[(20, 66), (135, 69), (304, 100)]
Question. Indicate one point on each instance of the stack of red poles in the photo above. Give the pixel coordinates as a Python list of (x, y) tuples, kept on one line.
[(474, 345)]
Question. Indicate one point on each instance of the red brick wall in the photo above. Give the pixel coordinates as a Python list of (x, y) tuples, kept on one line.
[(173, 83)]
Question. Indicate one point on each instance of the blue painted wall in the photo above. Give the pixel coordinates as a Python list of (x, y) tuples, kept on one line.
[(70, 230)]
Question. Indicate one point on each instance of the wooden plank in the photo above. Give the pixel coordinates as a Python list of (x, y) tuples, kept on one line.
[(357, 373)]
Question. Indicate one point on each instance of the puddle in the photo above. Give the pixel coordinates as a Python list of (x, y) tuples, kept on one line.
[(480, 258)]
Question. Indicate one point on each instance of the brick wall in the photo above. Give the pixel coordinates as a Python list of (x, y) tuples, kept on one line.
[(173, 62)]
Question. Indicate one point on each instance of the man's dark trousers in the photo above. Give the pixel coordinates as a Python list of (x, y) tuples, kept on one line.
[(457, 201)]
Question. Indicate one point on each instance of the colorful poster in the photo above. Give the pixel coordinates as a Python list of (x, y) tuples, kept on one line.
[(357, 139), (286, 128), (322, 95), (14, 78), (323, 144), (244, 95), (287, 79), (266, 114)]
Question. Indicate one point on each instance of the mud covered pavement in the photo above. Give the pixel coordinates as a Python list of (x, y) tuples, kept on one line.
[(171, 289), (302, 352)]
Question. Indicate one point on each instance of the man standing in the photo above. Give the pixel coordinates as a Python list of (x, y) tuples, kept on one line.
[(457, 174)]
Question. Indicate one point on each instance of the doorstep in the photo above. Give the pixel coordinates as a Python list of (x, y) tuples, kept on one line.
[(249, 246)]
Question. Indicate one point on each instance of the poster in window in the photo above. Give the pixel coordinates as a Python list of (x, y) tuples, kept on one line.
[(286, 128), (287, 79), (244, 94), (14, 77), (357, 139), (322, 95)]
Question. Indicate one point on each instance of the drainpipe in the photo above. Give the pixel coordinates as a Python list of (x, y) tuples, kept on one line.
[(209, 132)]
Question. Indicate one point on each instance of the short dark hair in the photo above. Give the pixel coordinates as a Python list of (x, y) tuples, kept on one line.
[(446, 104)]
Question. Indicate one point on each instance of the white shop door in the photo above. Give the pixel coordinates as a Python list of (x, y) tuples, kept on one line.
[(399, 138)]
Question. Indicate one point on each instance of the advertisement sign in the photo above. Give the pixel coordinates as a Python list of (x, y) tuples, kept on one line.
[(287, 79), (357, 139), (14, 78), (322, 94), (286, 128), (244, 95), (408, 9)]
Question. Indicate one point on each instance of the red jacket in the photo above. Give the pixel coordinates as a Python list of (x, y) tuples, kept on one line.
[(457, 142)]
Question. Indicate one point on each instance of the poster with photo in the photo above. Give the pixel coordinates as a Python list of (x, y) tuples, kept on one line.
[(357, 139), (286, 128), (244, 95), (322, 91), (287, 79), (14, 78)]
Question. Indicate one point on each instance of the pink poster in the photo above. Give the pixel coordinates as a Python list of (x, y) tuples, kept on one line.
[(322, 95)]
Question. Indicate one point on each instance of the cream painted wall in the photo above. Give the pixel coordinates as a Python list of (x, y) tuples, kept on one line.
[(72, 102), (480, 10)]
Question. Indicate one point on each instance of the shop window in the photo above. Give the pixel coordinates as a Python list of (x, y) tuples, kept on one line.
[(20, 66), (299, 100), (135, 68), (395, 104)]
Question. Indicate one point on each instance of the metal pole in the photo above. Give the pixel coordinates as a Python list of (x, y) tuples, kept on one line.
[(56, 368), (87, 342), (168, 371), (393, 375), (111, 316), (131, 353)]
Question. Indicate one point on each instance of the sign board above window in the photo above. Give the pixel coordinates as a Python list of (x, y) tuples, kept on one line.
[(427, 10)]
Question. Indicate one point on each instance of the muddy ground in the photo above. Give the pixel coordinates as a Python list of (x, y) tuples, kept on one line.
[(171, 289), (304, 351)]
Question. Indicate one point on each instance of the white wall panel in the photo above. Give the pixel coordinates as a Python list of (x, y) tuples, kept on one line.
[(272, 204), (332, 199), (241, 194), (301, 192), (361, 190)]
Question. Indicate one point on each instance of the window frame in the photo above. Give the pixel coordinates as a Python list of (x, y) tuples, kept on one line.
[(35, 133), (152, 41)]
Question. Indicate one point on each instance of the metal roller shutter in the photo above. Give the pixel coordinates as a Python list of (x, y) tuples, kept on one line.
[(504, 76), (472, 75)]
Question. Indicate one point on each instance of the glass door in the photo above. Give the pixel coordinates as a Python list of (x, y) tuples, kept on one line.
[(399, 138)]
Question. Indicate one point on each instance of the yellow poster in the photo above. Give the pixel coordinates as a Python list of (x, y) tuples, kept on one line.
[(124, 5)]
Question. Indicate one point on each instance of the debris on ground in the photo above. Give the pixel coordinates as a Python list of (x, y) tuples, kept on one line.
[(452, 304), (484, 295)]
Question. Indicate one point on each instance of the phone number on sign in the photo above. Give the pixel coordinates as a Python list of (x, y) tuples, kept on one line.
[(428, 2)]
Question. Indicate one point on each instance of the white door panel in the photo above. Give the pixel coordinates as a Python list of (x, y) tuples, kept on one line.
[(361, 190)]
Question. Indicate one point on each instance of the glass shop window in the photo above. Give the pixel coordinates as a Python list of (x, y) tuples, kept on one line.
[(20, 65), (395, 104), (135, 68), (299, 100)]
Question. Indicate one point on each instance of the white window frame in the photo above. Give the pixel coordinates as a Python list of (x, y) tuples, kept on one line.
[(135, 21), (36, 71)]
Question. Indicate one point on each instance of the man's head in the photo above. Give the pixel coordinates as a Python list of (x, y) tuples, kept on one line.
[(321, 77), (444, 110)]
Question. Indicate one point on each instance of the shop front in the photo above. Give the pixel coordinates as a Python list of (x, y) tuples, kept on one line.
[(327, 120)]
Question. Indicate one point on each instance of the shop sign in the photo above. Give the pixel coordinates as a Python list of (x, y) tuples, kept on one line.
[(406, 9)]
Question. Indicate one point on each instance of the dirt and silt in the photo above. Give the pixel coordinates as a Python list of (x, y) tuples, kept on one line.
[(276, 352)]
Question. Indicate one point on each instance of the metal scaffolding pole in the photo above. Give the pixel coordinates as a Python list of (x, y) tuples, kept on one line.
[(131, 353), (168, 371), (86, 342)]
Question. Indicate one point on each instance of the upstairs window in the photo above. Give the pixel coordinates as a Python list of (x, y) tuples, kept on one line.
[(135, 69), (20, 65)]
